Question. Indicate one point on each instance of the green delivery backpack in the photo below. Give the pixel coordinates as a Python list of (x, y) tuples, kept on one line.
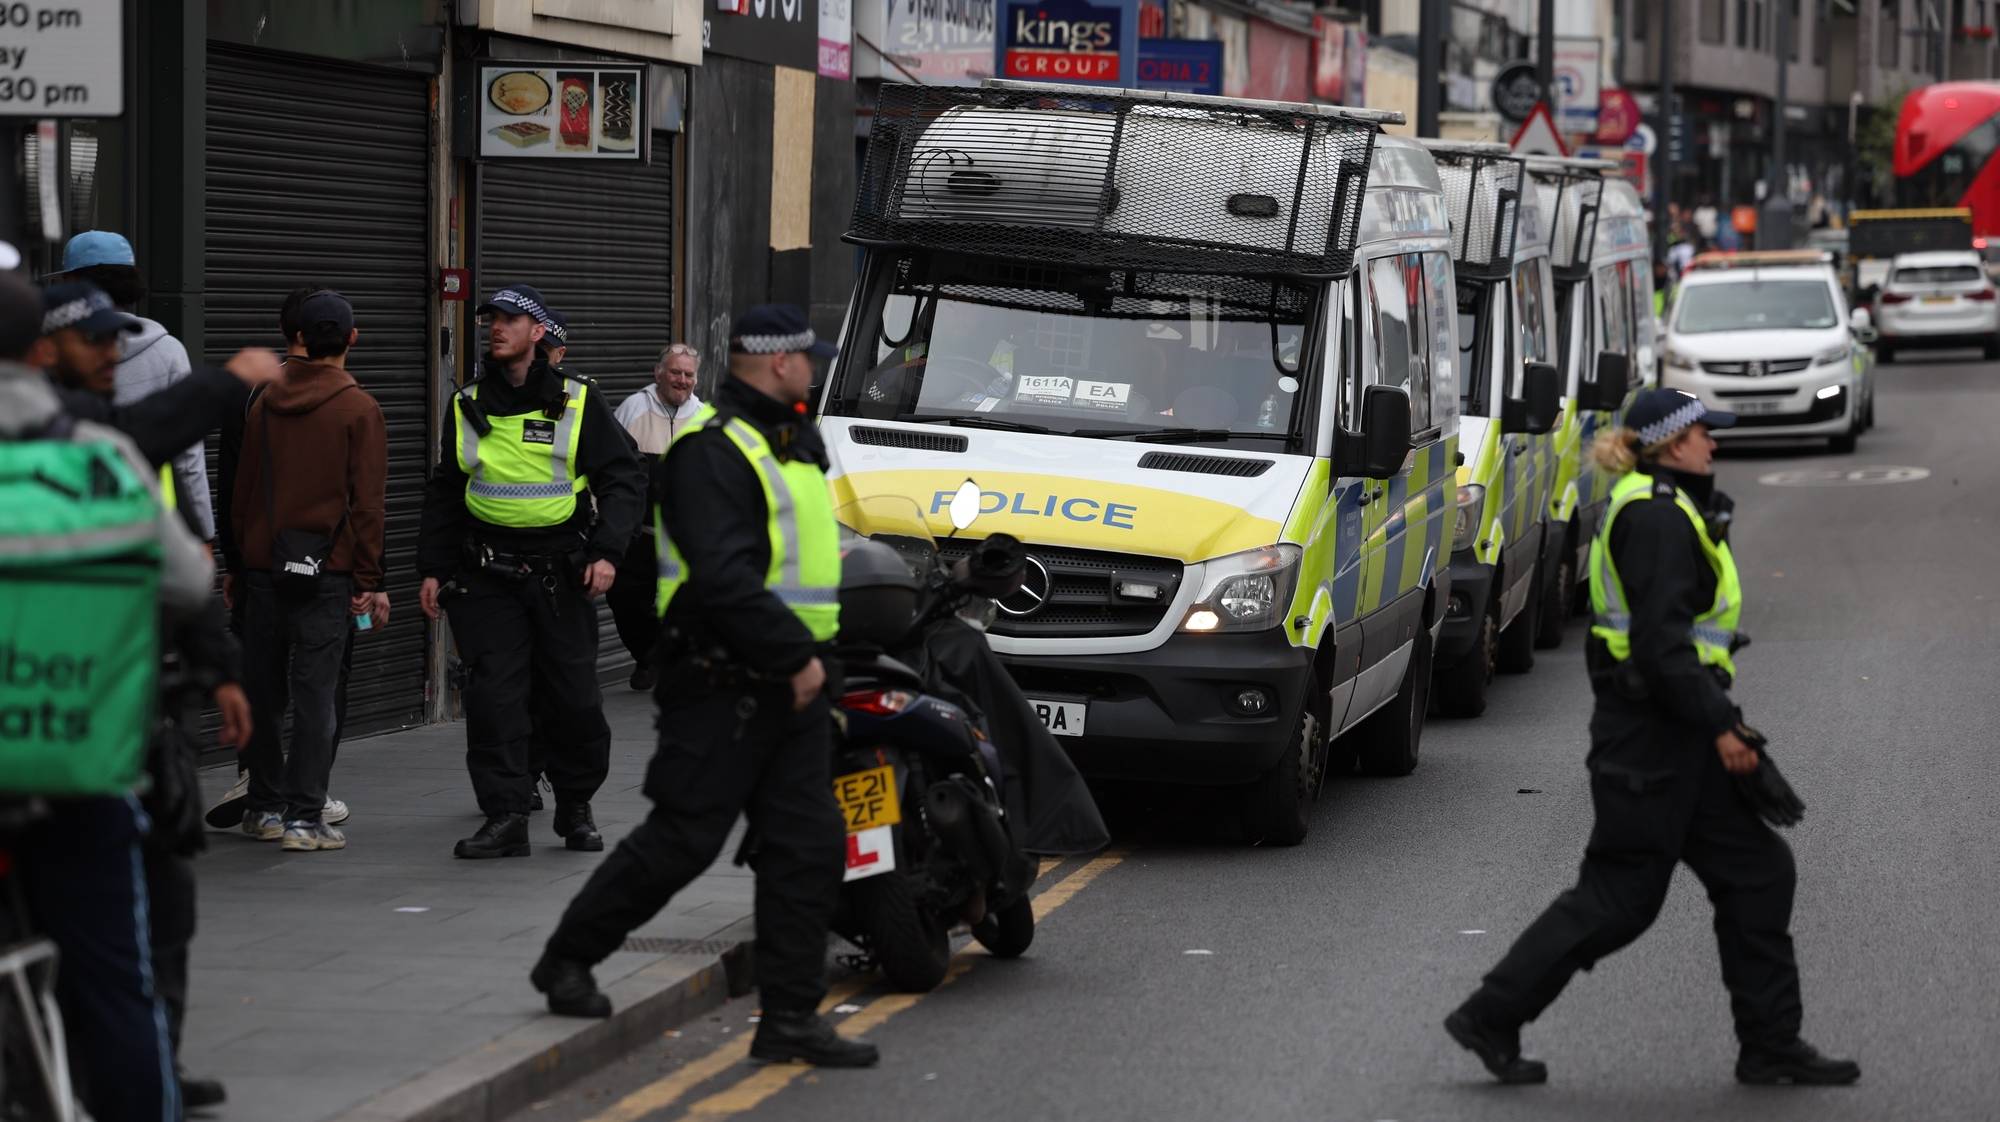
[(79, 616)]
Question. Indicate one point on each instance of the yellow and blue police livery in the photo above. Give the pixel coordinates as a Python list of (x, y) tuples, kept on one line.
[(1233, 478)]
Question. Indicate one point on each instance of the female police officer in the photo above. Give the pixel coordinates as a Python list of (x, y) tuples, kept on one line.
[(1663, 745)]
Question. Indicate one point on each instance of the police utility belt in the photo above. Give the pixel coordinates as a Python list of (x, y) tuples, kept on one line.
[(1623, 679), (550, 568)]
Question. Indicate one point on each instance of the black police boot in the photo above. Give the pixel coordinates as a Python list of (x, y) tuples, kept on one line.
[(643, 677), (198, 1092), (1793, 1062), (807, 1036), (571, 991), (1498, 1049), (503, 835), (578, 830)]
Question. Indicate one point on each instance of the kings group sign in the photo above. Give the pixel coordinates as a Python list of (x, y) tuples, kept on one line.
[(1068, 41)]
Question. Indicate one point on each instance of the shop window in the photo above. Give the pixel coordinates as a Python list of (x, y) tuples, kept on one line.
[(1715, 21)]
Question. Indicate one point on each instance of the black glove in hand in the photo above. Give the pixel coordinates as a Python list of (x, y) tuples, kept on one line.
[(1770, 797)]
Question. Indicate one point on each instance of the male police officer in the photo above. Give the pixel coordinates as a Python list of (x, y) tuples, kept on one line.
[(749, 590), (505, 519)]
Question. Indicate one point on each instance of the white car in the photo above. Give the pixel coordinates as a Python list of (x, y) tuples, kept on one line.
[(1938, 299), (1769, 337)]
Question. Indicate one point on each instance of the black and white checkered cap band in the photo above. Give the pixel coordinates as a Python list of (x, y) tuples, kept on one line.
[(1670, 426), (530, 306), (773, 344), (559, 333), (74, 311)]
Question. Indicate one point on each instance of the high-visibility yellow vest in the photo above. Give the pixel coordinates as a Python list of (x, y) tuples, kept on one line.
[(1611, 617), (522, 473), (805, 539)]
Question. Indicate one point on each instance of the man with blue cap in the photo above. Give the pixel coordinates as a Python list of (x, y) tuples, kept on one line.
[(508, 526)]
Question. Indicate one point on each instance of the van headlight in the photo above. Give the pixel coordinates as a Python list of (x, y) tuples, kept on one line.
[(1471, 509), (1671, 357), (1247, 591), (1841, 354)]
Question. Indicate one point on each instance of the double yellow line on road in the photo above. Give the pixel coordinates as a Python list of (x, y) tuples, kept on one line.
[(756, 1086)]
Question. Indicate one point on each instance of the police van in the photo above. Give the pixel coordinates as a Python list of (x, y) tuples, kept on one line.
[(1509, 397), (1199, 354), (1601, 258)]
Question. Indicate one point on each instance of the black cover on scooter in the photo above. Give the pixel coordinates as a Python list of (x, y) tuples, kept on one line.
[(1051, 808)]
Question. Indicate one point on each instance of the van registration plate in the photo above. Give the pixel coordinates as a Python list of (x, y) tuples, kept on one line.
[(1757, 408), (1064, 718)]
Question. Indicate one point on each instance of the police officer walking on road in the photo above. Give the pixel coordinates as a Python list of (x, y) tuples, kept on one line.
[(1668, 751), (749, 592), (509, 549)]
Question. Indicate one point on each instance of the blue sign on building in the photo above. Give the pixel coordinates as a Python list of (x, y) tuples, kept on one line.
[(1072, 41), (1184, 65)]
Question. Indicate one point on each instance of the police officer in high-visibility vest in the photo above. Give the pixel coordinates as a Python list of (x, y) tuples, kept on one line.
[(507, 525), (1665, 742), (749, 560)]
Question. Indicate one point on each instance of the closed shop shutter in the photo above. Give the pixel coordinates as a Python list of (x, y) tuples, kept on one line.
[(317, 173), (597, 240)]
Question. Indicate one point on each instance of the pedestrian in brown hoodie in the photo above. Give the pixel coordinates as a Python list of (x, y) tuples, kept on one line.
[(307, 516)]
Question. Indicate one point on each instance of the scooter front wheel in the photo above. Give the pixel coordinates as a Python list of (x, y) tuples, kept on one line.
[(1007, 932), (912, 946)]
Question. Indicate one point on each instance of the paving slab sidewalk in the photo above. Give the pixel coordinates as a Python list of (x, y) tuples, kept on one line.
[(389, 981)]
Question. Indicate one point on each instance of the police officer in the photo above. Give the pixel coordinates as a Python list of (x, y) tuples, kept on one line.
[(506, 522), (749, 588), (1665, 743)]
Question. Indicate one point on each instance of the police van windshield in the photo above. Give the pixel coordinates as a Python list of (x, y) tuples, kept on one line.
[(1161, 357), (1774, 305)]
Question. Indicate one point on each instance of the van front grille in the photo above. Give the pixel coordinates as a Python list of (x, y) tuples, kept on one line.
[(1082, 593)]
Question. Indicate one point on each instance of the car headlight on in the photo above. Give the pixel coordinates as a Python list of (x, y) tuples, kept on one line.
[(1471, 509), (1841, 354), (1247, 591)]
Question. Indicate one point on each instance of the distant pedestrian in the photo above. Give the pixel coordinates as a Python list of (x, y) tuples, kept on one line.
[(652, 417), (749, 592), (149, 359), (535, 492), (308, 514), (1666, 747)]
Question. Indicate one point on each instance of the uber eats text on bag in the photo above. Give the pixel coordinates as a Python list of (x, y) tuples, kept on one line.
[(79, 616)]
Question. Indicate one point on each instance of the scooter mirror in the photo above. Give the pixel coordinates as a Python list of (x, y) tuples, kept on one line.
[(965, 505)]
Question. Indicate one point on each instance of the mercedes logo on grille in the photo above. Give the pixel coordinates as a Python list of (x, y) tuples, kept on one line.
[(1756, 369), (1033, 593)]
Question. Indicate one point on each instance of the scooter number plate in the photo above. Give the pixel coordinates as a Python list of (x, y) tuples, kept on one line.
[(868, 799)]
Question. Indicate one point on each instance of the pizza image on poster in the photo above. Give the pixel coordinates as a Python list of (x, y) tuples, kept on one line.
[(526, 111)]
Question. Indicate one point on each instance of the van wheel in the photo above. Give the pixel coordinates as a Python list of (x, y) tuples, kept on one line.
[(1884, 353), (1556, 601), (1461, 689), (1388, 740), (1277, 807), (1517, 643)]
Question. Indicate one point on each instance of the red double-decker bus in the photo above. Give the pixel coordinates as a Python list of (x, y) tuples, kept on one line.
[(1946, 141)]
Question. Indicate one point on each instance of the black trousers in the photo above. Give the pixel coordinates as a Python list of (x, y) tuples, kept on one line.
[(170, 890), (632, 597), (292, 653), (1662, 797), (725, 753), (529, 645)]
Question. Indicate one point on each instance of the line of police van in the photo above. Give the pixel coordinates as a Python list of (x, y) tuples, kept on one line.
[(1290, 412)]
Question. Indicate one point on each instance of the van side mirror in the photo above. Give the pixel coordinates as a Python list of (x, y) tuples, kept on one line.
[(1378, 450), (1607, 389), (1535, 411)]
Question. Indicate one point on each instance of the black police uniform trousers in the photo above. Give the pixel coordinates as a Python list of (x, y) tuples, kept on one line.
[(1662, 797), (529, 646), (725, 752)]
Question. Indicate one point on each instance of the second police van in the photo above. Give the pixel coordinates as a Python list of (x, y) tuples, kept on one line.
[(1199, 354)]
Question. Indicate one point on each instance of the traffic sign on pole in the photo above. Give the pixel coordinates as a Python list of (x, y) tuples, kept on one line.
[(1537, 135)]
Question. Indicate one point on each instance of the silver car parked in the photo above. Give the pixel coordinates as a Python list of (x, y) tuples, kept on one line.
[(1938, 299)]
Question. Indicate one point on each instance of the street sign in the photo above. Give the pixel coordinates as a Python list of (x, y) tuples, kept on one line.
[(1186, 65), (65, 61), (1537, 136), (1617, 117), (1579, 66), (1643, 140), (1516, 91), (1072, 41)]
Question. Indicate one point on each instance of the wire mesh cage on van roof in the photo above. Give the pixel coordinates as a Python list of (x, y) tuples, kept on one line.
[(1116, 179), (1573, 198), (1482, 194)]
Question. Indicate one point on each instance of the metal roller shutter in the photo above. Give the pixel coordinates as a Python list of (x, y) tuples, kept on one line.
[(597, 240), (317, 173)]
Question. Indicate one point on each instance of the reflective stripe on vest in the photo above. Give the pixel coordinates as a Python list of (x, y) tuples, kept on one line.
[(168, 496), (1611, 620), (805, 539), (514, 481)]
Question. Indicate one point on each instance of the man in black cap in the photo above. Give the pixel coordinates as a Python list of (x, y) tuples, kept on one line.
[(506, 521), (744, 723)]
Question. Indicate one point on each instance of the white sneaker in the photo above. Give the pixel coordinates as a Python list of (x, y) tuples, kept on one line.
[(229, 811), (267, 826), (307, 836), (334, 813)]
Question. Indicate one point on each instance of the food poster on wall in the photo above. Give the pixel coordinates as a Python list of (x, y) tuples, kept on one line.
[(539, 111)]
